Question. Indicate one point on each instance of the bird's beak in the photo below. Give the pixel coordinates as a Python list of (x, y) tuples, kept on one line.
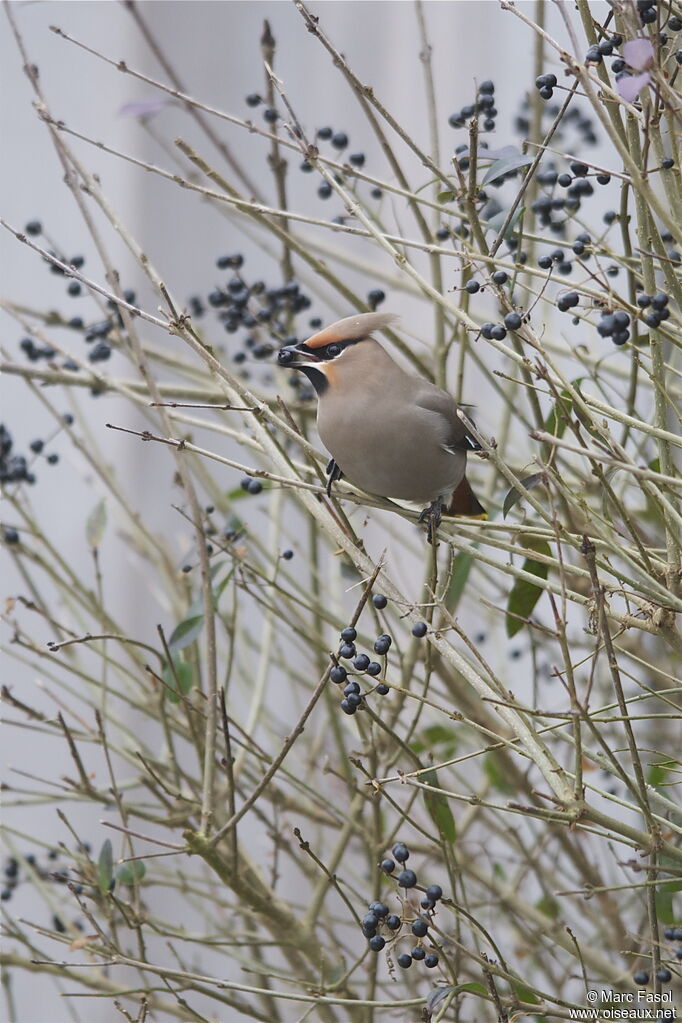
[(296, 356)]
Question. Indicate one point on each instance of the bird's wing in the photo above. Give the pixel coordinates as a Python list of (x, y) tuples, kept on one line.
[(456, 437)]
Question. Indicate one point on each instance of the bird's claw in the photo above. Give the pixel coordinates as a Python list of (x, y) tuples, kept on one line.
[(432, 515), (334, 473)]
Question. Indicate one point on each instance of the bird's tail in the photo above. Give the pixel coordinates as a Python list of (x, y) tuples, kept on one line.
[(465, 502)]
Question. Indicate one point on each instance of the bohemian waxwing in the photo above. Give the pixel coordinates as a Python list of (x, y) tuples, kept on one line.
[(390, 433)]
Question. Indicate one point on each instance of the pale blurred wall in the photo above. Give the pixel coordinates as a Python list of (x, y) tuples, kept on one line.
[(215, 48)]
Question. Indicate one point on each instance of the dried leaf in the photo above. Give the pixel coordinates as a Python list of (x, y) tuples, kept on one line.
[(81, 942)]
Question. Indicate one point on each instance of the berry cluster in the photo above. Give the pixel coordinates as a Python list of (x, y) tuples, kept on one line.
[(658, 306), (379, 918), (647, 11), (615, 325), (484, 104), (362, 663), (13, 468), (663, 974), (12, 873), (251, 485)]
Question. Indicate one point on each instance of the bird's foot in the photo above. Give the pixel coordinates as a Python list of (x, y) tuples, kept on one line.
[(334, 473), (432, 516)]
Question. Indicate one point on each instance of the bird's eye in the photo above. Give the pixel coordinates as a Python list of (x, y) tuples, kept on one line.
[(334, 350)]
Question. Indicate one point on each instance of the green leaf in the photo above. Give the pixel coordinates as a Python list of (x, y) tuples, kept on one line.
[(525, 595), (185, 633), (665, 910), (94, 527), (234, 524), (439, 994), (523, 993), (446, 196), (238, 494), (439, 808), (219, 587), (105, 867), (473, 987), (514, 496), (657, 773), (655, 465), (549, 906), (496, 222), (131, 873), (183, 674), (197, 606), (436, 736), (461, 567), (557, 421), (502, 167), (493, 765)]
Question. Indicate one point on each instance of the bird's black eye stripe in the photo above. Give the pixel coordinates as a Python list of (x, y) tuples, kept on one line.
[(331, 351)]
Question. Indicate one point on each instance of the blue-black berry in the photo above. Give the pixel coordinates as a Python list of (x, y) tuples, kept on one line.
[(376, 943), (407, 878), (419, 629), (388, 866), (349, 635), (431, 960), (404, 960), (382, 644), (338, 674), (379, 601), (401, 852)]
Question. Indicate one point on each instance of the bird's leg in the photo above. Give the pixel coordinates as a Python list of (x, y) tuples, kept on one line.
[(334, 474), (432, 516)]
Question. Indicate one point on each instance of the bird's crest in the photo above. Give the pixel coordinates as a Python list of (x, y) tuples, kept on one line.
[(351, 328)]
